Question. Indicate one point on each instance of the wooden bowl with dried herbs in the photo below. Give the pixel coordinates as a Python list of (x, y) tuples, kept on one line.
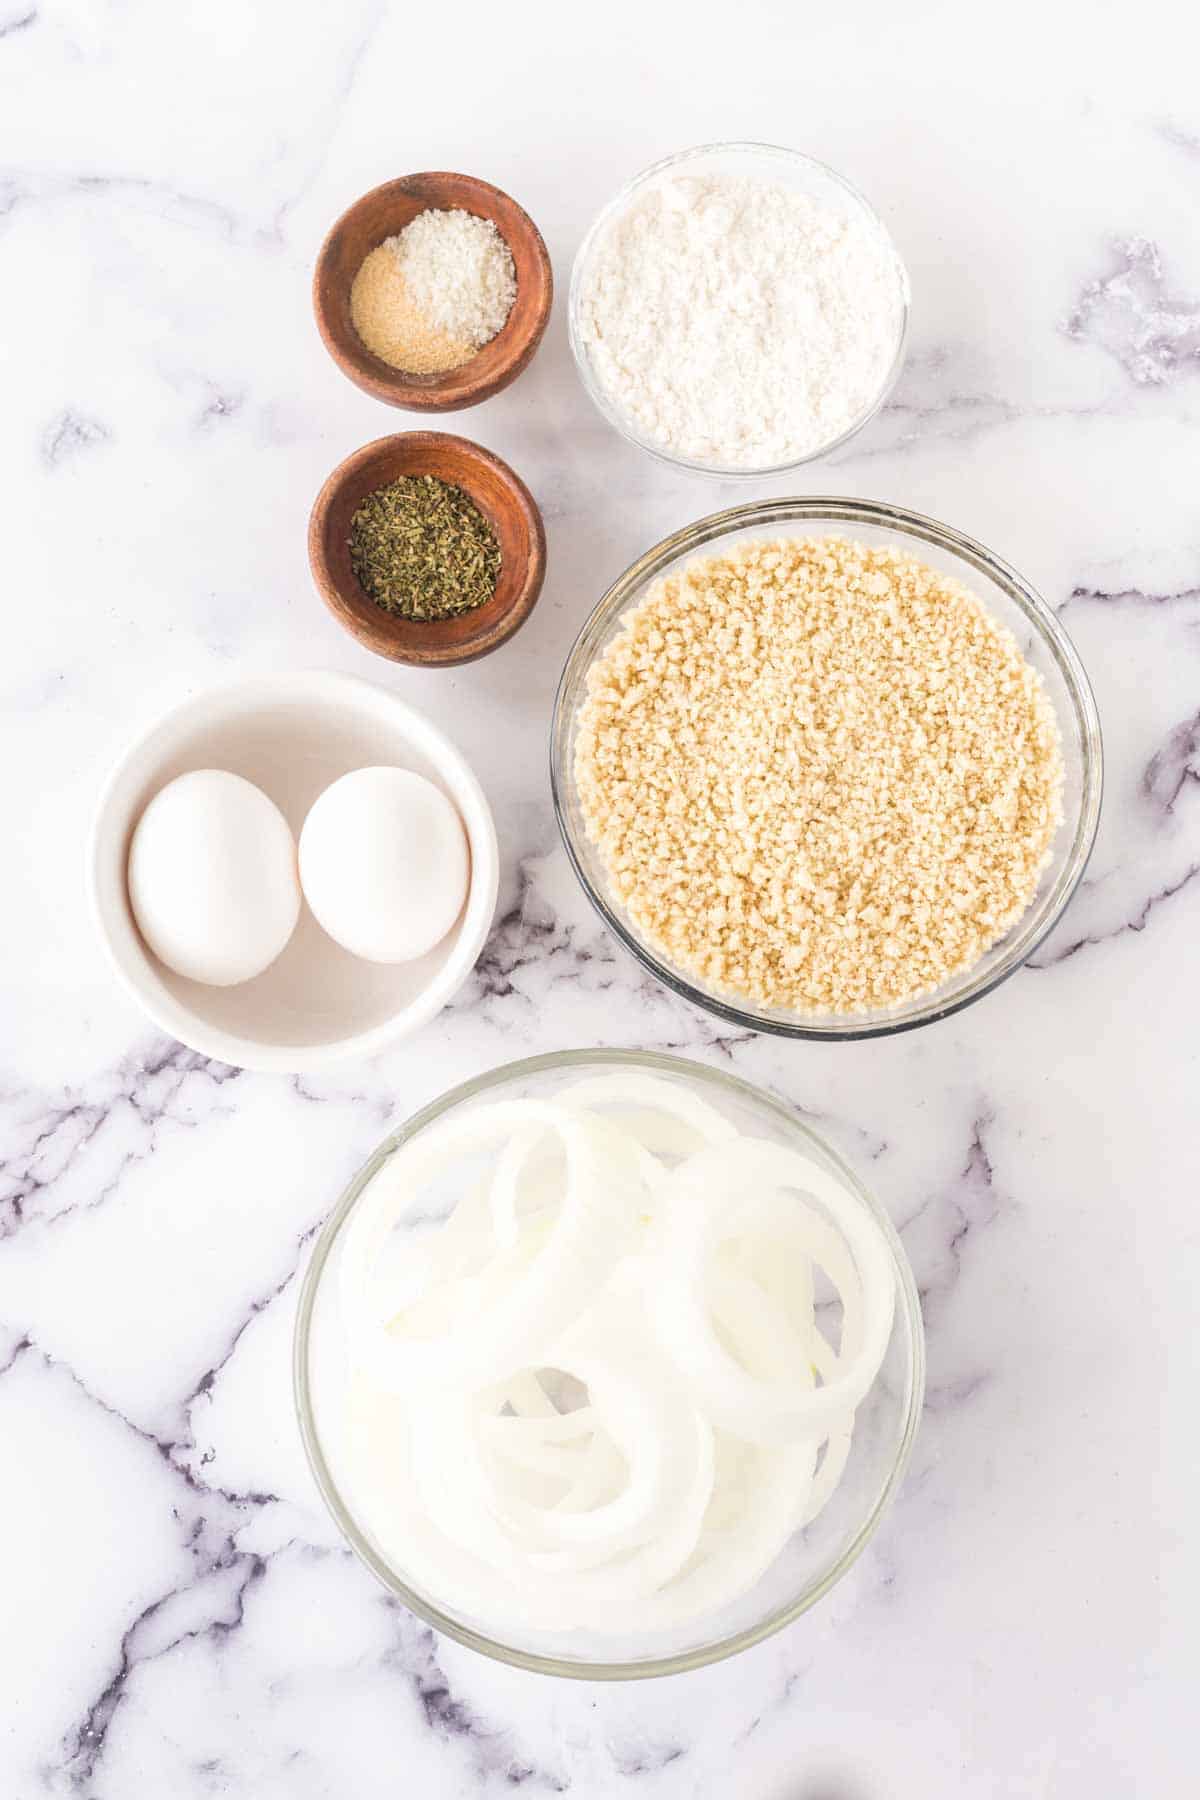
[(427, 548)]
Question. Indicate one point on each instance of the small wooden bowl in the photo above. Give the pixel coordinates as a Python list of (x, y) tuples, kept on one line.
[(501, 497), (379, 215)]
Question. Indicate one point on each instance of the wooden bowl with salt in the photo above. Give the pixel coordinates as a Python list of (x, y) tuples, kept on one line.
[(501, 497), (383, 213)]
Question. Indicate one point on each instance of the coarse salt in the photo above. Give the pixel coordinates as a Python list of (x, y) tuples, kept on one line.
[(458, 272)]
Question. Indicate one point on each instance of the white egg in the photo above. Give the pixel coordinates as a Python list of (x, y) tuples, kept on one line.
[(212, 878), (384, 864)]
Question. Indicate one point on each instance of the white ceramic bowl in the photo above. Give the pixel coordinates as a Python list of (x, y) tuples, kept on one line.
[(292, 735)]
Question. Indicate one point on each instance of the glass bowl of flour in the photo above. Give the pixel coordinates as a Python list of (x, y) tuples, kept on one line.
[(738, 309)]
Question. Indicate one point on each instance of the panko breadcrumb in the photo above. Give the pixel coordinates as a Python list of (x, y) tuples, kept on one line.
[(819, 775)]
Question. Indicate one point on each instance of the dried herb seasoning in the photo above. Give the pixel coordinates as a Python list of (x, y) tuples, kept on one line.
[(421, 548)]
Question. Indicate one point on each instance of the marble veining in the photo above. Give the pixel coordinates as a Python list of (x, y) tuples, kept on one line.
[(1137, 921), (182, 1617), (70, 433), (71, 1149), (1128, 597), (1131, 314)]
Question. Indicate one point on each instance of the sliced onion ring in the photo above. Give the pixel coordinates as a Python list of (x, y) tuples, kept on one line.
[(629, 1237)]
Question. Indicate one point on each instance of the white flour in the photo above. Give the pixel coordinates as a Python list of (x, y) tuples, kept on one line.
[(738, 323)]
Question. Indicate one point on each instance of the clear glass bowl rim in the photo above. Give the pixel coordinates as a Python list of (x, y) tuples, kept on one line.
[(607, 408), (827, 510), (909, 1309)]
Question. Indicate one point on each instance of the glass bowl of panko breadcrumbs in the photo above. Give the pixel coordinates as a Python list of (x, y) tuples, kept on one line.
[(827, 768)]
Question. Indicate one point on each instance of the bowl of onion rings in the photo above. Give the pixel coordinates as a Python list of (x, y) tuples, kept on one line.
[(607, 1364)]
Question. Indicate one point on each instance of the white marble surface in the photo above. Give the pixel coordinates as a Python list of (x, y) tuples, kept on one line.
[(178, 1617)]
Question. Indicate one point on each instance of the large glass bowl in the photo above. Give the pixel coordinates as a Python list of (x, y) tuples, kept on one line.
[(817, 1556), (761, 162), (1007, 595)]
